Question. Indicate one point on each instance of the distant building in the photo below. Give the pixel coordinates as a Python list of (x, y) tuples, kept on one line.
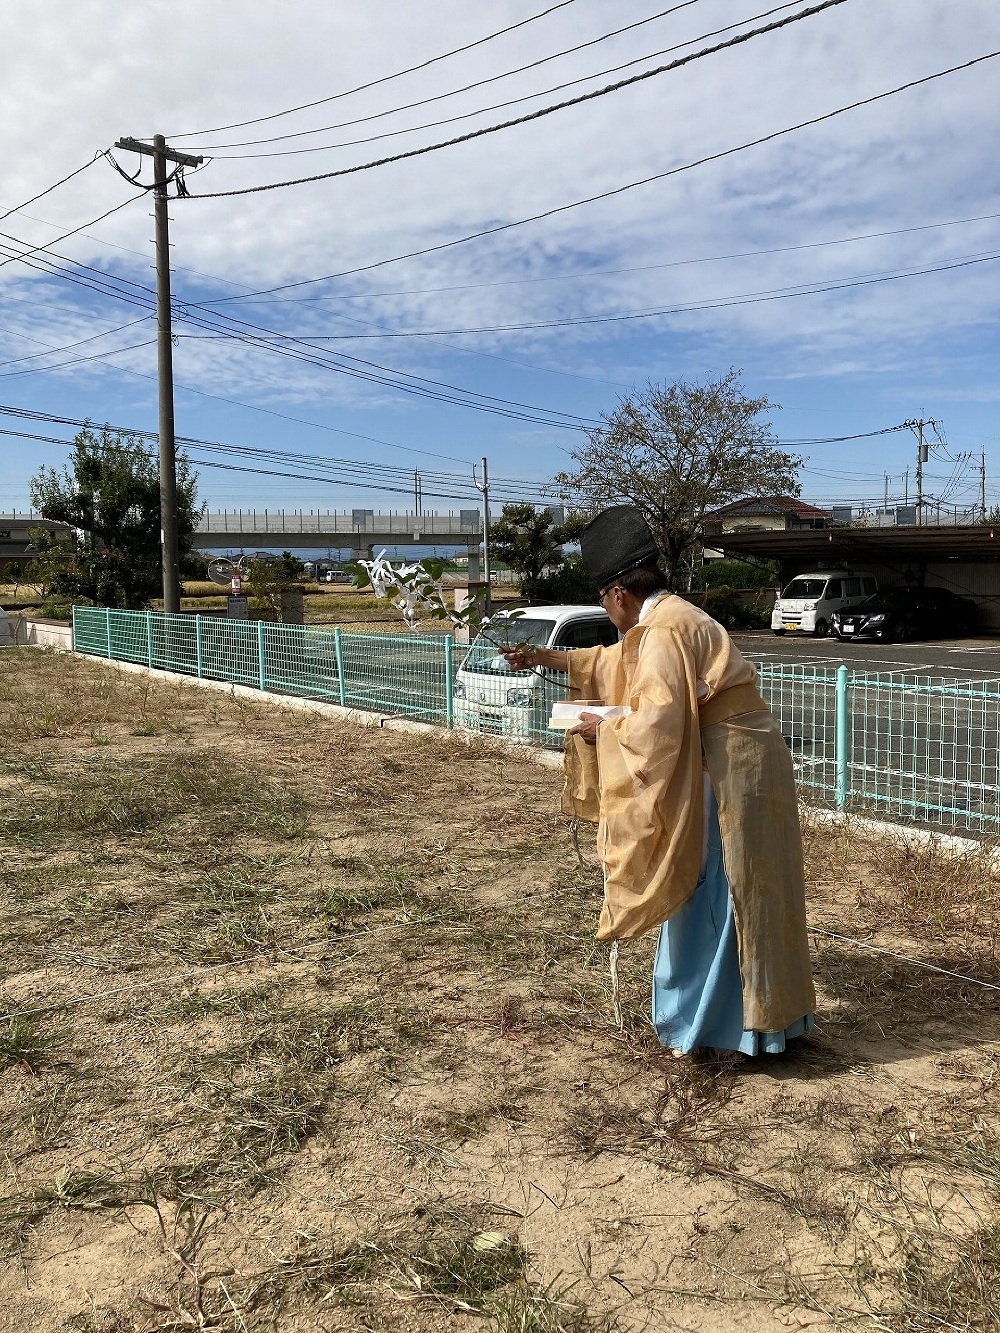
[(15, 536), (767, 513)]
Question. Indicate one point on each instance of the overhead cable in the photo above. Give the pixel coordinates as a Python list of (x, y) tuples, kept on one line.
[(40, 249), (385, 78), (380, 476), (76, 361), (714, 303), (679, 63), (49, 188), (622, 189), (257, 336), (536, 279), (219, 155), (68, 347), (843, 439), (359, 368)]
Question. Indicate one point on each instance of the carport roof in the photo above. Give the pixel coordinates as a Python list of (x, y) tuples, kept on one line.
[(980, 543)]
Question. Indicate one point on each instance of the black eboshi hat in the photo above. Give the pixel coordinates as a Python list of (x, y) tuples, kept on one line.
[(615, 542)]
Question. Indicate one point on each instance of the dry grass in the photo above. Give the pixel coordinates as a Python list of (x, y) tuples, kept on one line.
[(404, 1103)]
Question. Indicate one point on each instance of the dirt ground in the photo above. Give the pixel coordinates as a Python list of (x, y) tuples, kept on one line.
[(304, 1028)]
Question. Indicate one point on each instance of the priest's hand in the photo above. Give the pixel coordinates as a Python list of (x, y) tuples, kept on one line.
[(586, 728), (522, 657)]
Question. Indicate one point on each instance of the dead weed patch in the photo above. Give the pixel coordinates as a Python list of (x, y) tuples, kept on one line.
[(403, 1102)]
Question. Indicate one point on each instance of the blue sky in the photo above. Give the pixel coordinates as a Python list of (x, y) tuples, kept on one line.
[(901, 186)]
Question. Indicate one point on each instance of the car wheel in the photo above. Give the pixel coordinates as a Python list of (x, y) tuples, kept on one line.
[(778, 632), (822, 629)]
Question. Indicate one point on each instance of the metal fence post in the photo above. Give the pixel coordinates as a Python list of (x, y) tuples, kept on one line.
[(149, 639), (107, 627), (841, 742), (197, 644), (260, 654), (449, 680), (338, 650)]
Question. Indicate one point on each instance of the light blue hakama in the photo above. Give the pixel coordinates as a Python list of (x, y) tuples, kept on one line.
[(697, 989)]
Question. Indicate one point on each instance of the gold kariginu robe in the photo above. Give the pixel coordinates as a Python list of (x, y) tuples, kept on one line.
[(694, 704)]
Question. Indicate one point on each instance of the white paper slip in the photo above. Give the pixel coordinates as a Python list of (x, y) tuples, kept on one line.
[(566, 715)]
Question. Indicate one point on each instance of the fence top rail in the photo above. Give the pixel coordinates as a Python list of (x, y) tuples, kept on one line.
[(822, 674), (220, 625), (890, 681)]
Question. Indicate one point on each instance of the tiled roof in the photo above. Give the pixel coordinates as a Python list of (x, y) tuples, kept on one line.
[(768, 504)]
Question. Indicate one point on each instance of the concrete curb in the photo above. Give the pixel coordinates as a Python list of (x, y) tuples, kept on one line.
[(903, 834)]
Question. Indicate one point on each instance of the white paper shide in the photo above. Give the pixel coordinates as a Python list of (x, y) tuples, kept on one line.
[(566, 714)]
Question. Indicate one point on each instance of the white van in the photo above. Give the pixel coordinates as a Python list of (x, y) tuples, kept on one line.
[(493, 700), (808, 603)]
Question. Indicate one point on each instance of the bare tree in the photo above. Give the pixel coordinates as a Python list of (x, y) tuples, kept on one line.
[(676, 451)]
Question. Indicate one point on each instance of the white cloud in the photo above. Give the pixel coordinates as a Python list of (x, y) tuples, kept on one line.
[(82, 74)]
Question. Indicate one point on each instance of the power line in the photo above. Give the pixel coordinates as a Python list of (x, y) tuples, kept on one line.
[(385, 78), (26, 414), (417, 385), (535, 115), (68, 347), (375, 476), (76, 361), (92, 279), (286, 416), (842, 439), (716, 303), (38, 249), (360, 368), (49, 188), (611, 272), (528, 365), (482, 83), (622, 189)]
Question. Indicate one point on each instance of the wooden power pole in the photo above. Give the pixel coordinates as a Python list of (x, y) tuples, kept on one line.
[(484, 487), (161, 155)]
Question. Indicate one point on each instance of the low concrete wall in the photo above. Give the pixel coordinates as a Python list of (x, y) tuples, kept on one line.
[(41, 633)]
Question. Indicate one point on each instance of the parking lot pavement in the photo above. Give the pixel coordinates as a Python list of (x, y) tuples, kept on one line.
[(958, 659)]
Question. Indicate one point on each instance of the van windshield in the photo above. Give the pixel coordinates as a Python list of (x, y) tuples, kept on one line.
[(485, 655), (805, 588)]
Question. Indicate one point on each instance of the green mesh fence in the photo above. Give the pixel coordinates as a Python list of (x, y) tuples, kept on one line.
[(913, 747)]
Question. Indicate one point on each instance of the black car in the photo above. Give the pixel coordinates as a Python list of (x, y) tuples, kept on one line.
[(907, 613)]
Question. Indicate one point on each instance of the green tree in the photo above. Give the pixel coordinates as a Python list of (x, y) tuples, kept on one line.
[(55, 571), (530, 542), (13, 575), (737, 574), (109, 493), (676, 451), (271, 581)]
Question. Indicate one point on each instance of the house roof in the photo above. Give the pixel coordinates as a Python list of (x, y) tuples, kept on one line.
[(761, 505)]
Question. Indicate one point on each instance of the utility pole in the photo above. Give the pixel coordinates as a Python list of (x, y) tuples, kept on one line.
[(485, 488), (170, 560), (982, 487), (917, 427)]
